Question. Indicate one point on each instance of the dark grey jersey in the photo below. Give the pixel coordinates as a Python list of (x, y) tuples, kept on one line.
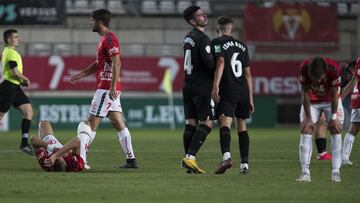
[(236, 56), (198, 63)]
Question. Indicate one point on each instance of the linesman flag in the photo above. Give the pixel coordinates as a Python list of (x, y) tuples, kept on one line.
[(166, 83)]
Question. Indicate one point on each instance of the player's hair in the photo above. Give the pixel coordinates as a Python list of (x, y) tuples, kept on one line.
[(351, 65), (102, 15), (317, 68), (7, 34), (224, 22), (189, 13)]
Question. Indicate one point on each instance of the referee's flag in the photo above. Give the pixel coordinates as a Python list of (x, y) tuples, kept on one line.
[(167, 84)]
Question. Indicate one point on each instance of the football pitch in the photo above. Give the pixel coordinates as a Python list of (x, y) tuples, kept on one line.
[(274, 166)]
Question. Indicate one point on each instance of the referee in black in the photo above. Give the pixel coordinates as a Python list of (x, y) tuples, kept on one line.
[(10, 89), (232, 90), (198, 70)]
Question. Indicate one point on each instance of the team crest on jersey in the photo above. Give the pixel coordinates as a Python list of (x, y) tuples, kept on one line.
[(208, 49), (217, 48)]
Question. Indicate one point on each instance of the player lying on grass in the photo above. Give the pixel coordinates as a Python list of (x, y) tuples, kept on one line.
[(68, 157)]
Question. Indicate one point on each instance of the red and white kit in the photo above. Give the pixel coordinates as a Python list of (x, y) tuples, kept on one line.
[(101, 104), (319, 93)]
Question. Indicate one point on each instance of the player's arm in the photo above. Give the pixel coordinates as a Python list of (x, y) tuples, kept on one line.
[(248, 78), (220, 63), (305, 100), (73, 144), (116, 65), (15, 72), (349, 87), (334, 125), (85, 72), (206, 55)]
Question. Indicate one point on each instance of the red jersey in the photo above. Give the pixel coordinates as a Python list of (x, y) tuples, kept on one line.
[(74, 163), (320, 91), (108, 46), (355, 96)]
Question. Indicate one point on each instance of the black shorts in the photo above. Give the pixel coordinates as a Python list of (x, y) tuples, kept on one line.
[(229, 108), (199, 107), (11, 94)]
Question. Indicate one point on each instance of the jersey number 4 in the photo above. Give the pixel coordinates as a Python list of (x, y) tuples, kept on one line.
[(187, 62), (236, 65)]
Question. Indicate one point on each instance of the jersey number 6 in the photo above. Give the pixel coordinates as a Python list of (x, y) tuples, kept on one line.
[(236, 65)]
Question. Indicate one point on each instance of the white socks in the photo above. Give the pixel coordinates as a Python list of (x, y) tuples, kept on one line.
[(125, 141), (226, 156), (347, 146), (305, 151), (336, 152)]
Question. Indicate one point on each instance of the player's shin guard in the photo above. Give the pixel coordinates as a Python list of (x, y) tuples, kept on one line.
[(244, 143), (125, 142), (225, 139), (198, 139), (336, 144), (347, 146), (305, 151), (187, 136)]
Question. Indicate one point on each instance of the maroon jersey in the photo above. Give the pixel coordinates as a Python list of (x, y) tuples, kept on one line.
[(108, 46), (355, 96), (320, 91), (74, 163), (41, 154)]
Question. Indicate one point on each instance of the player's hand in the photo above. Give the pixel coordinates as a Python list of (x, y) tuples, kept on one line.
[(25, 82), (307, 125), (73, 79), (215, 94), (252, 108), (50, 161), (113, 94), (335, 126)]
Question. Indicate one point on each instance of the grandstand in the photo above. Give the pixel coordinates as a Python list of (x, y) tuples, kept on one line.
[(154, 29)]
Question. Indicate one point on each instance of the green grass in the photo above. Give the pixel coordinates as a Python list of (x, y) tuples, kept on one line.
[(274, 167)]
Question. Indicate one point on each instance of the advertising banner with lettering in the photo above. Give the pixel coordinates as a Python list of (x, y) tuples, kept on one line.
[(140, 112), (300, 25), (147, 74), (30, 12)]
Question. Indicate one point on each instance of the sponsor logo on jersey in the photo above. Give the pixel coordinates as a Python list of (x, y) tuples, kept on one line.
[(217, 48), (113, 50)]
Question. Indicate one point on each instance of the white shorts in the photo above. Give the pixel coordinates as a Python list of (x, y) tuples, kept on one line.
[(317, 109), (355, 115), (101, 103), (52, 142)]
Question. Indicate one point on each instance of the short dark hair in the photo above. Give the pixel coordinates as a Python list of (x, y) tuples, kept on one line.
[(351, 65), (317, 68), (223, 21), (102, 15), (189, 12), (7, 34)]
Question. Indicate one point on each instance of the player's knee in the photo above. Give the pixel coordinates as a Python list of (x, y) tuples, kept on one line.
[(85, 130)]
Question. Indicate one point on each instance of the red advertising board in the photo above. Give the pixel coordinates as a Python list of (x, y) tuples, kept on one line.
[(297, 24), (147, 73)]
